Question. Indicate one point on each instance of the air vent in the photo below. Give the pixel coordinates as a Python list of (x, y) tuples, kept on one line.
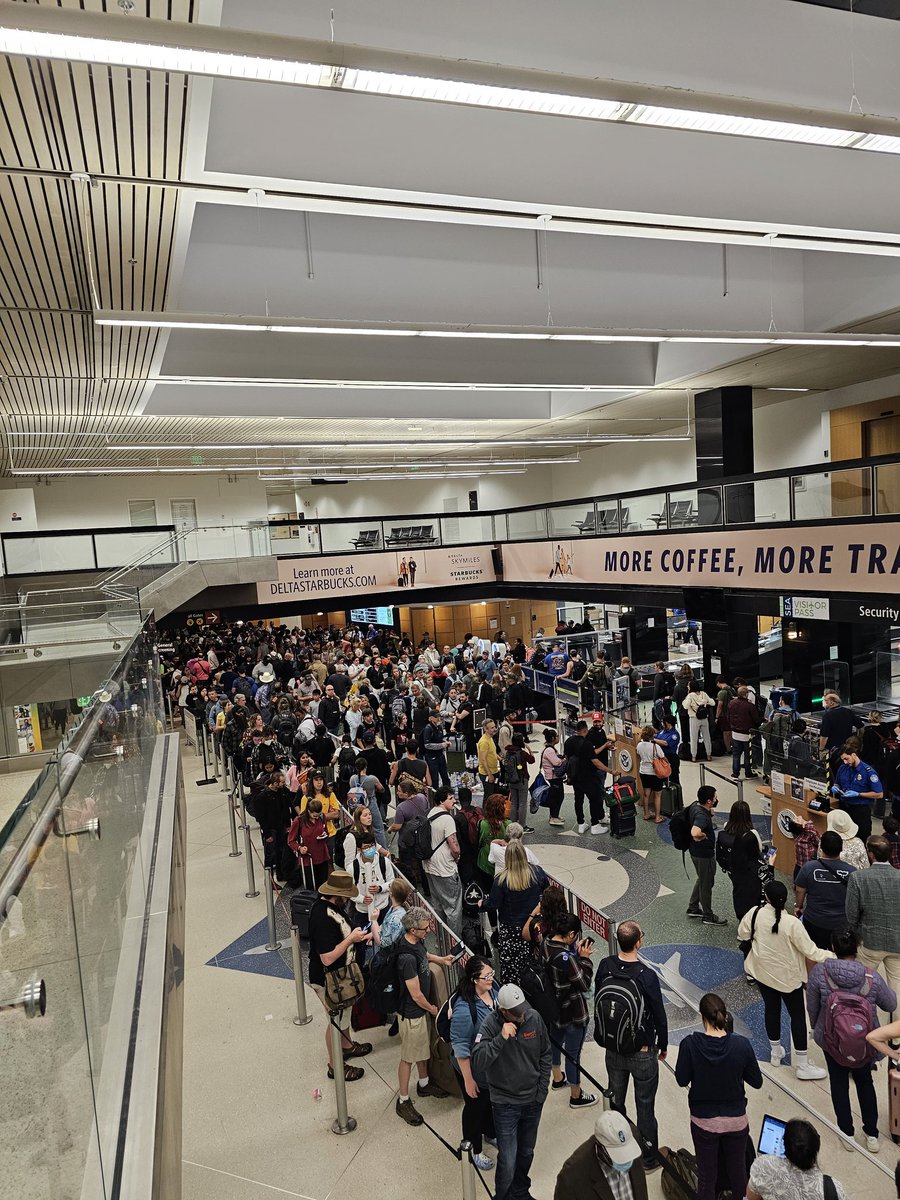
[(327, 482)]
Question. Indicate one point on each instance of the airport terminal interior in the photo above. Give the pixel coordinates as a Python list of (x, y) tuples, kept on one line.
[(450, 495)]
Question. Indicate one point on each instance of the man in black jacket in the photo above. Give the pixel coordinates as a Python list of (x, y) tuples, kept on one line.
[(642, 1065)]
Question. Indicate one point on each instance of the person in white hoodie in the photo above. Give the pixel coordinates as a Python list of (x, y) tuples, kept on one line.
[(779, 950), (373, 874)]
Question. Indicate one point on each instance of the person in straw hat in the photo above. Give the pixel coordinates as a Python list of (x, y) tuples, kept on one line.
[(854, 851)]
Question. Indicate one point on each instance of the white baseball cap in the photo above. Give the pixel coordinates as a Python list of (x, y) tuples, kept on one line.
[(511, 997), (614, 1134)]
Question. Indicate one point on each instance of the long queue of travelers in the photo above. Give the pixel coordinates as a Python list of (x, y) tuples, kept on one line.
[(323, 721)]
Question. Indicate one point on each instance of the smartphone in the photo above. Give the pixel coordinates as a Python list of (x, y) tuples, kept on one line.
[(461, 953), (588, 941), (367, 928)]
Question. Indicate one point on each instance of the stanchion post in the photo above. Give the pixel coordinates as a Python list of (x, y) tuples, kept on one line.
[(302, 1017), (201, 739), (273, 943), (232, 825), (344, 1123), (252, 890), (467, 1167)]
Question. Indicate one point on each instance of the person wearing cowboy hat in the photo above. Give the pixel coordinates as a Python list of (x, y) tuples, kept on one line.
[(608, 1165), (263, 698), (332, 943), (854, 852)]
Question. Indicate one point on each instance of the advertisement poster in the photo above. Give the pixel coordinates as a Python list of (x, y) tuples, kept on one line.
[(833, 558), (315, 578)]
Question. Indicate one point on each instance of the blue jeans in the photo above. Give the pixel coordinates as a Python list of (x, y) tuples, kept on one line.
[(571, 1038), (740, 750), (643, 1068), (437, 769), (516, 1126)]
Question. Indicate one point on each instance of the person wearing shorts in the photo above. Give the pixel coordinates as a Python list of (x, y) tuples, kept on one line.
[(651, 784), (416, 1009)]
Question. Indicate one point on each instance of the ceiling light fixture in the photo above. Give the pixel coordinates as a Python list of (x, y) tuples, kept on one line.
[(223, 322), (205, 50), (401, 385), (573, 441)]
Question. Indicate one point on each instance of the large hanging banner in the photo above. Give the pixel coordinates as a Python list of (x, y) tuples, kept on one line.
[(837, 558), (301, 578)]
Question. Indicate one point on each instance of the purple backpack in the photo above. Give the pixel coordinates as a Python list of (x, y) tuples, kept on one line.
[(848, 1018)]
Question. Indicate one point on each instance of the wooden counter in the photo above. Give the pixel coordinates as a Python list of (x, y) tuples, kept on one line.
[(796, 798)]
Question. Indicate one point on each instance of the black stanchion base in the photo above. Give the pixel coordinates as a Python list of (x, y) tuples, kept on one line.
[(206, 782)]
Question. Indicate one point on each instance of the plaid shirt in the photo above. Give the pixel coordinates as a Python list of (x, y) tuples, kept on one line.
[(571, 976), (894, 839), (806, 844)]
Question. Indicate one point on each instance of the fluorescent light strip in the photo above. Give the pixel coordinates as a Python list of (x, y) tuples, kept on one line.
[(222, 323), (404, 385), (221, 64), (500, 444), (312, 473)]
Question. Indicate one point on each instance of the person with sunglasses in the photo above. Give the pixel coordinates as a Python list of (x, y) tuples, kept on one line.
[(415, 1007), (475, 999)]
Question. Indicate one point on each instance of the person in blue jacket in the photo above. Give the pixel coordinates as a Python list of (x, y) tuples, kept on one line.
[(474, 1000), (857, 787), (715, 1065)]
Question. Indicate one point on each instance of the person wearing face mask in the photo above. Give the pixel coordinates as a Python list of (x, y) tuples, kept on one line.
[(703, 856), (715, 1065), (373, 874), (608, 1165), (512, 1053)]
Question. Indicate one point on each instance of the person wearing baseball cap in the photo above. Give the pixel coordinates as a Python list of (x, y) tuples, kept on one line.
[(512, 1054), (608, 1165)]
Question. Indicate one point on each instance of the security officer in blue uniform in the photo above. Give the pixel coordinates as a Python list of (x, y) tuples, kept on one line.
[(857, 787)]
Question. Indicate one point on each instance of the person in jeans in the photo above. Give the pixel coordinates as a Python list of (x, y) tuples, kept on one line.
[(820, 891), (569, 966), (715, 1065), (444, 884), (642, 1067), (743, 718), (873, 912), (703, 857), (512, 1054), (849, 975), (475, 1000)]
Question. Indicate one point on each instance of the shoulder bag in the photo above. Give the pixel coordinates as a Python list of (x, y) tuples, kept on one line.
[(662, 768), (746, 944)]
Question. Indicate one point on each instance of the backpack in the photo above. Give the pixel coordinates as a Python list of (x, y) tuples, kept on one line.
[(346, 763), (618, 1014), (384, 988), (284, 730), (415, 838), (445, 1015), (724, 846), (535, 981), (510, 771), (848, 1017), (469, 818), (702, 712), (680, 828)]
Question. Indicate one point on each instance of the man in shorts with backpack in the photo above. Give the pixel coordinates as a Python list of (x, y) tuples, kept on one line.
[(630, 1023)]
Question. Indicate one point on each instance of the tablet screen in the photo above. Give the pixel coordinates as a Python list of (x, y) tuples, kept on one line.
[(771, 1136)]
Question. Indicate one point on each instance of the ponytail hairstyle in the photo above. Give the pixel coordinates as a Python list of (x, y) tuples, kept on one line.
[(776, 894), (472, 970), (713, 1011)]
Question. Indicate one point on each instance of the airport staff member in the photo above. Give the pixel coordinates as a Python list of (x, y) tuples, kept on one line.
[(857, 787)]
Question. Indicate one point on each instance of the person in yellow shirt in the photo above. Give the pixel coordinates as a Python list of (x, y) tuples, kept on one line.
[(488, 760)]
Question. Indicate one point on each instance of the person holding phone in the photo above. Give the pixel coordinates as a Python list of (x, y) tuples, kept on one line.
[(568, 955)]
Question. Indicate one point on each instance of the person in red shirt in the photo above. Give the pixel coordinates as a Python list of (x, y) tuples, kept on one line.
[(308, 838)]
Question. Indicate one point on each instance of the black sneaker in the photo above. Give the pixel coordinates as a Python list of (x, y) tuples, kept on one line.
[(695, 915), (712, 919), (651, 1162), (431, 1089), (585, 1100), (407, 1111), (558, 1086), (528, 828), (752, 775)]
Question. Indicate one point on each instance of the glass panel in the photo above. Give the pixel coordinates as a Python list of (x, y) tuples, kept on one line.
[(833, 494), (120, 549), (573, 520), (887, 679), (763, 500), (643, 512), (694, 507), (358, 533), (53, 552), (405, 531), (142, 512), (887, 488), (529, 524), (466, 530), (300, 537)]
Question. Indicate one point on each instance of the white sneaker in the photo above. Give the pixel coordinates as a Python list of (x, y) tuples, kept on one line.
[(482, 1162), (583, 827), (776, 1057), (808, 1071), (872, 1145), (555, 821), (847, 1143), (600, 827)]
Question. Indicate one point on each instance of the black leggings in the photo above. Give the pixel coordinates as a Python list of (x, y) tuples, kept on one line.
[(477, 1115), (793, 1002)]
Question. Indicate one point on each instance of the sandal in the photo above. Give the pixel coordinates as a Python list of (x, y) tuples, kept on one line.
[(358, 1050), (351, 1074)]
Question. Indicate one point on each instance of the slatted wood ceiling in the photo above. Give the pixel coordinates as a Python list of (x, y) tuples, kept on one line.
[(74, 117)]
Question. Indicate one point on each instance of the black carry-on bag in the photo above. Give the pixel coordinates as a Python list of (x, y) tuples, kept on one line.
[(303, 899)]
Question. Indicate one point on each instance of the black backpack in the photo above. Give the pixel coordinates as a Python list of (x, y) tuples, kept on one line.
[(445, 1015), (510, 771), (285, 728), (384, 989), (535, 981), (618, 1014), (702, 712), (724, 847), (680, 828), (415, 839)]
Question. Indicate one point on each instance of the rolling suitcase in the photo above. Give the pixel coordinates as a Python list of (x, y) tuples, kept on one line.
[(894, 1102), (622, 821), (672, 799), (302, 901)]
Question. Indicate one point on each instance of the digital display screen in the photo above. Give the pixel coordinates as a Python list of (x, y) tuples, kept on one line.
[(372, 616), (771, 1136)]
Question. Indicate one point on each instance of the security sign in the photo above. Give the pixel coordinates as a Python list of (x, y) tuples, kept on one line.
[(624, 760)]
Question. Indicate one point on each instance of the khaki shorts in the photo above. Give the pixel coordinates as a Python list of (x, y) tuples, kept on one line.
[(343, 1017), (415, 1039)]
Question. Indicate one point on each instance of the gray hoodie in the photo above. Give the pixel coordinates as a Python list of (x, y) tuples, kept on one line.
[(517, 1069)]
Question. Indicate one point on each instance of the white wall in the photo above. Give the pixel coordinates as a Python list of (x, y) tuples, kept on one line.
[(402, 496), (620, 467)]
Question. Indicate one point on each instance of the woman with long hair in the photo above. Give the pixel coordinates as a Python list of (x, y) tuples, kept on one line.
[(476, 998), (318, 789), (682, 683), (551, 764), (517, 887), (651, 783), (308, 838), (491, 827), (546, 916), (715, 1065), (568, 957), (738, 848), (779, 950)]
